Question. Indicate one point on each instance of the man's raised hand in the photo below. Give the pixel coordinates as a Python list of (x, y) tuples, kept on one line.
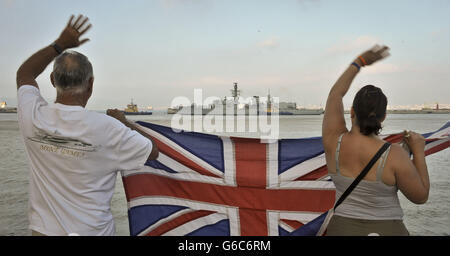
[(117, 114), (70, 37)]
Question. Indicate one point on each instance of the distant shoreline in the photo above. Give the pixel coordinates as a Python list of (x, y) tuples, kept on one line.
[(412, 111), (8, 110), (432, 111)]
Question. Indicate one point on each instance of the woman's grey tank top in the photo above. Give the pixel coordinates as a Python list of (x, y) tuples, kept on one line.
[(370, 200)]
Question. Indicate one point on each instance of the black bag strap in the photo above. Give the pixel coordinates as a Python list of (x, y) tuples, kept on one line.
[(362, 174)]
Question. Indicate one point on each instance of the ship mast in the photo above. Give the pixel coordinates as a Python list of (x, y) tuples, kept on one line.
[(269, 103), (235, 92)]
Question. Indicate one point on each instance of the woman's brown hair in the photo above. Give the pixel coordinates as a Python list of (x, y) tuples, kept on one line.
[(370, 105)]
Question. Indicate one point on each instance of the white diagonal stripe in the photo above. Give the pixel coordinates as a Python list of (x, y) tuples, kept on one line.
[(193, 225), (181, 150), (176, 176), (165, 200), (436, 143), (303, 217), (440, 134), (308, 184), (164, 220), (303, 168), (174, 165)]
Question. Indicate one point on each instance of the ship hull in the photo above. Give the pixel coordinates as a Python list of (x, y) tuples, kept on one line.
[(300, 112), (138, 113), (8, 110)]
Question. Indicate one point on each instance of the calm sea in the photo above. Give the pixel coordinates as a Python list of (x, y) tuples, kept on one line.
[(431, 218)]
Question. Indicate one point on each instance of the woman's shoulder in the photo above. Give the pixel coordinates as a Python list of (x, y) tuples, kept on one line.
[(397, 150), (398, 156), (330, 142)]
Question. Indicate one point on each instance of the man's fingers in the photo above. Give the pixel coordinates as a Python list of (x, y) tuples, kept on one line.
[(82, 23), (76, 21), (85, 30), (70, 20), (84, 41)]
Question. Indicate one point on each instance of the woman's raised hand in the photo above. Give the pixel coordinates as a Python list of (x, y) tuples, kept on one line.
[(373, 55)]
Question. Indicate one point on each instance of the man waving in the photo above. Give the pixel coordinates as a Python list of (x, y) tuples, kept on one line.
[(74, 154)]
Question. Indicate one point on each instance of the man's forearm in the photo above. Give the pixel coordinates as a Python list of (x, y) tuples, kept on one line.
[(34, 66), (133, 127)]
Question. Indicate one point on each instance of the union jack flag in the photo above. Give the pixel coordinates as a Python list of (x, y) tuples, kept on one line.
[(211, 185)]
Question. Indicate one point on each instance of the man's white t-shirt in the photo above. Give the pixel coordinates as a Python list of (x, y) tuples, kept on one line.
[(74, 157)]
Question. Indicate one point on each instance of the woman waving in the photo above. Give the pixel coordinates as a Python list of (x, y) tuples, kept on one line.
[(373, 206)]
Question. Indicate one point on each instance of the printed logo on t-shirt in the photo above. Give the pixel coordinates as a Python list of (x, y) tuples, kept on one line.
[(63, 146)]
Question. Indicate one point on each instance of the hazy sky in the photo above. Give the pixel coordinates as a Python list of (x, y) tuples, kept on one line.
[(155, 50)]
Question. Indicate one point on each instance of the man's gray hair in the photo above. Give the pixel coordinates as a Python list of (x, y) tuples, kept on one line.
[(71, 72)]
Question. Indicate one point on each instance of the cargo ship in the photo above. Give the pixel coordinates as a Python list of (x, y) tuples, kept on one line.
[(132, 110), (5, 109)]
